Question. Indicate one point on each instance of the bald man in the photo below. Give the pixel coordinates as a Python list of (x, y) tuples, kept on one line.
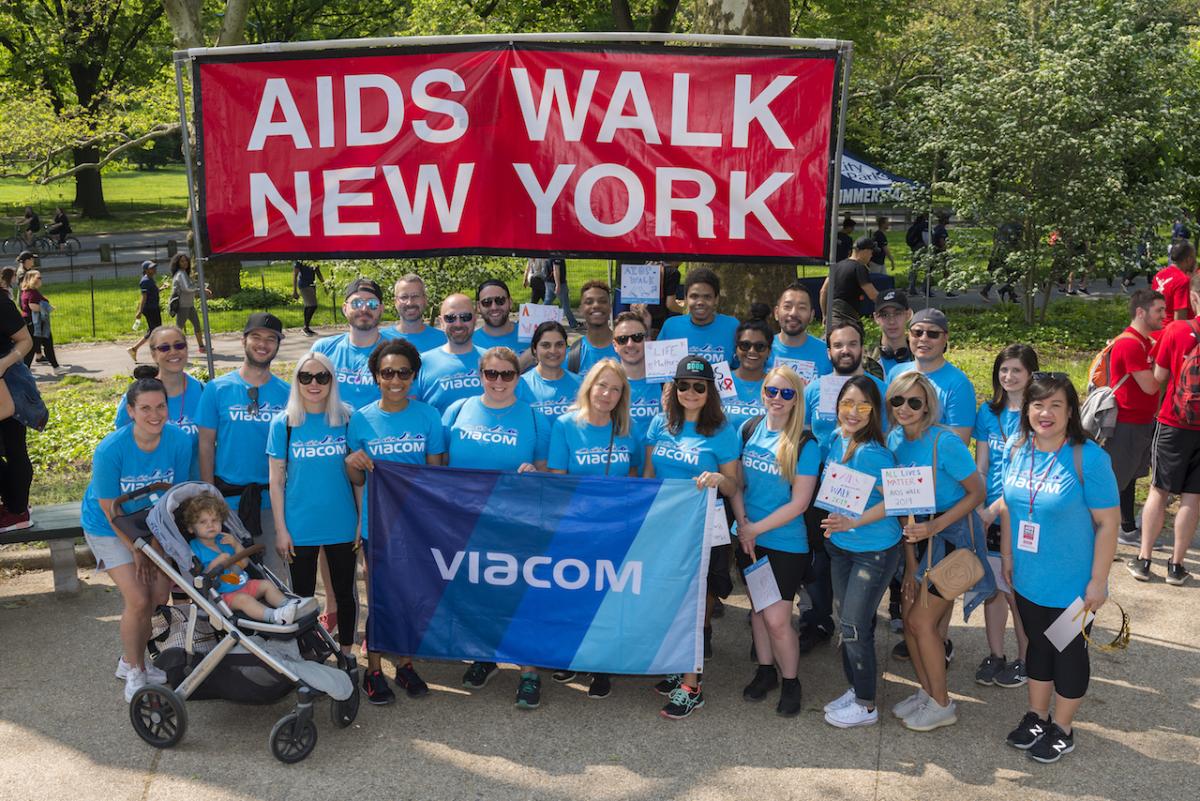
[(451, 371)]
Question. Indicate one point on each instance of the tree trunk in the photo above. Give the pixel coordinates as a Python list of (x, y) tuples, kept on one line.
[(743, 284), (223, 275), (89, 186)]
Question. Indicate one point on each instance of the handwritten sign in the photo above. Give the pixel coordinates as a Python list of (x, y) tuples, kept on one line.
[(717, 527), (662, 357), (844, 490), (724, 377), (531, 315), (760, 581), (640, 283), (908, 490), (802, 367), (830, 387)]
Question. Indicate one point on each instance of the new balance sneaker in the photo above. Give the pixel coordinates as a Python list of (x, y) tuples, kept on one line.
[(563, 676), (1028, 731), (376, 686), (900, 651), (845, 699), (988, 668), (668, 685), (479, 674), (910, 704), (932, 716), (852, 715), (1139, 568), (682, 702), (14, 521), (135, 679), (1012, 675), (789, 699), (408, 680), (1052, 745), (529, 692), (1176, 573), (600, 687), (765, 679), (153, 675), (1131, 537)]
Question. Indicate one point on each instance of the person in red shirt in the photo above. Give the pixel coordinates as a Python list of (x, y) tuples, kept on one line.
[(1175, 452), (1131, 373), (1172, 281)]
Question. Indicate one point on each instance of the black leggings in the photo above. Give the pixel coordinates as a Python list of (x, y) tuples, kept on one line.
[(16, 471), (1069, 670), (341, 558)]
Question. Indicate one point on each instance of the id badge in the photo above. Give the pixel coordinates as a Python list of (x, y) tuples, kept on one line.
[(1028, 534)]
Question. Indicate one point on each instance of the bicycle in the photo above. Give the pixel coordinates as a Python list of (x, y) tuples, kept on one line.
[(69, 246), (16, 242)]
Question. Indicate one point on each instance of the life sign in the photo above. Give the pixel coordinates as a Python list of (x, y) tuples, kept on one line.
[(908, 491), (844, 491)]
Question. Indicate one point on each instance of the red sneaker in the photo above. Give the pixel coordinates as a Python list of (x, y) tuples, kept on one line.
[(12, 521)]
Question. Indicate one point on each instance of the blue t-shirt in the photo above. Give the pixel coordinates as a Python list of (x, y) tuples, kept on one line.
[(428, 339), (954, 461), (713, 342), (1060, 570), (182, 411), (645, 403), (148, 286), (510, 340), (447, 377), (870, 458), (551, 398), (955, 392), (766, 490), (481, 438), (120, 466), (992, 432), (241, 456), (405, 436), (590, 355), (583, 449), (824, 424), (356, 385), (689, 453), (318, 503), (747, 404), (206, 556), (889, 364), (809, 360)]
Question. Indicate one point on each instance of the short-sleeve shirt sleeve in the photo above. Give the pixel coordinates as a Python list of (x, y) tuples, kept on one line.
[(277, 437), (727, 444), (809, 463), (207, 416), (1099, 484), (954, 457)]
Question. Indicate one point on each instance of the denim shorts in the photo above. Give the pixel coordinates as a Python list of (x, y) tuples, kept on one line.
[(110, 552)]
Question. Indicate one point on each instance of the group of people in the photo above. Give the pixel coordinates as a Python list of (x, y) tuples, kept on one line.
[(1039, 504), (23, 283)]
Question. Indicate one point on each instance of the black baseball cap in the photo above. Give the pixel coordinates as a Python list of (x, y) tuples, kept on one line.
[(694, 367), (263, 320), (364, 285), (148, 265), (893, 297), (26, 254), (933, 317)]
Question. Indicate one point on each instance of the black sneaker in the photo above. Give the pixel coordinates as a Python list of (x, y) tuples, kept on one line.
[(900, 651), (1139, 568), (949, 651), (1028, 731), (479, 674), (668, 685), (708, 642), (408, 680), (765, 679), (811, 637), (682, 703), (988, 668), (1012, 675), (1053, 744), (789, 699), (1177, 573), (529, 692), (563, 676), (601, 686), (378, 691)]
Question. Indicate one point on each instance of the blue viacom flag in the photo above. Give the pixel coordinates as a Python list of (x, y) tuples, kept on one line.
[(603, 575)]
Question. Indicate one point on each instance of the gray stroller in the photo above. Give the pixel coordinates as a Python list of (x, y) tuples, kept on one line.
[(210, 651)]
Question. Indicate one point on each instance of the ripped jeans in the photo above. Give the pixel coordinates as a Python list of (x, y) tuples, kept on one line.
[(859, 582)]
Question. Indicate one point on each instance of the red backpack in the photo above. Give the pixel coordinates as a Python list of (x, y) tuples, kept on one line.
[(1185, 403)]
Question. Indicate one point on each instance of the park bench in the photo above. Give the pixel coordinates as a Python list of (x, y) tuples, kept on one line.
[(58, 525)]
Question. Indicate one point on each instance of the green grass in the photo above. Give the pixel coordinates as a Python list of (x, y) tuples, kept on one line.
[(138, 201)]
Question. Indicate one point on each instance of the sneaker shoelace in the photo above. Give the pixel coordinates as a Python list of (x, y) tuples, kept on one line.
[(681, 697)]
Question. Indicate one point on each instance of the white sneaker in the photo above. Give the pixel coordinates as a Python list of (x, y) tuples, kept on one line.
[(845, 699), (932, 716), (910, 704), (153, 675), (286, 614), (852, 715), (134, 680)]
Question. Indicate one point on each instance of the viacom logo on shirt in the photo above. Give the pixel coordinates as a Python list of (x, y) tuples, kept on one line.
[(241, 414), (645, 407), (763, 462), (408, 442), (186, 426), (498, 435), (131, 483), (710, 353), (677, 453), (554, 408), (743, 409), (1020, 480), (328, 445), (354, 379), (619, 455), (459, 380)]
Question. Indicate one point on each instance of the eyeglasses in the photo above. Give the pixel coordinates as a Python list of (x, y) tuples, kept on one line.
[(787, 393), (889, 316), (488, 303), (1041, 376), (403, 373), (465, 317), (928, 333), (358, 304), (913, 403), (854, 406), (252, 407), (321, 378), (625, 339), (165, 348), (500, 375), (699, 387), (757, 347)]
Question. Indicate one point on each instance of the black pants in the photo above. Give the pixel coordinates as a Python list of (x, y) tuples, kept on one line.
[(46, 345), (16, 471), (341, 559), (309, 311), (1070, 670), (537, 289)]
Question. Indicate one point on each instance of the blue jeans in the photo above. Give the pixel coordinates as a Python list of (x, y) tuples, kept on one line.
[(563, 293), (859, 581)]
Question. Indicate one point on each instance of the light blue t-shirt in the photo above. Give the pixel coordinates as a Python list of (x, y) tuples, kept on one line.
[(551, 398), (955, 392), (766, 491), (318, 503), (182, 411), (689, 453), (590, 355), (870, 458), (645, 403), (992, 432), (1059, 571), (447, 377), (356, 385), (406, 436), (583, 449), (747, 404), (120, 466), (824, 424), (955, 463), (206, 556), (428, 339), (510, 340), (241, 456), (713, 342), (809, 360), (889, 364), (481, 438)]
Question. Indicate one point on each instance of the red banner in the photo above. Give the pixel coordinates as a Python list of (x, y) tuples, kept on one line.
[(652, 151)]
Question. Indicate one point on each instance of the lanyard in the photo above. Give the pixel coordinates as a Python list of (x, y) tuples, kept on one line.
[(1033, 485)]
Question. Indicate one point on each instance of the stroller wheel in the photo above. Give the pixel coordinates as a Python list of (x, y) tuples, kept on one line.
[(293, 739), (158, 716), (344, 712)]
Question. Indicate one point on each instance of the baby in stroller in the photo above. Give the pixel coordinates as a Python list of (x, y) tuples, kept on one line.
[(205, 516)]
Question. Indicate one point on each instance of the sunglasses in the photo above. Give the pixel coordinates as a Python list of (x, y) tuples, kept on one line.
[(625, 339), (757, 347), (855, 406), (1041, 376), (927, 333), (252, 407), (488, 303), (164, 348), (699, 387), (321, 378), (787, 393), (465, 317), (500, 375), (915, 404), (358, 304), (403, 373)]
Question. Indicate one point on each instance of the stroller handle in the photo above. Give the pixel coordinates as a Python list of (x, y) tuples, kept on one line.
[(253, 550), (149, 489)]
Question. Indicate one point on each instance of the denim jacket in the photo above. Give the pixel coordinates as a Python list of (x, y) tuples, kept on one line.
[(30, 409), (958, 534)]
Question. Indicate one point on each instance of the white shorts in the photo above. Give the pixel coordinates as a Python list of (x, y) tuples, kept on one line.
[(110, 552)]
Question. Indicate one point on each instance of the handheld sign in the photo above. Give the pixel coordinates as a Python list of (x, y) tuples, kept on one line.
[(662, 357), (830, 386), (760, 581), (802, 367), (845, 491), (724, 377), (531, 315), (640, 283), (908, 490)]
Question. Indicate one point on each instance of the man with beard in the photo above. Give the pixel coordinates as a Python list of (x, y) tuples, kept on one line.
[(793, 346), (451, 372), (595, 304), (928, 338), (892, 314), (411, 301), (645, 399), (495, 305), (234, 418), (844, 340), (350, 351)]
